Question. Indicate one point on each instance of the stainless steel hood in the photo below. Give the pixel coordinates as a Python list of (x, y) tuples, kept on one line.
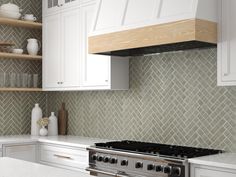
[(137, 27)]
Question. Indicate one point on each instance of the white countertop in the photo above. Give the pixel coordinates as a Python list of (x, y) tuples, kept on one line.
[(18, 168), (75, 141), (225, 160), (82, 142)]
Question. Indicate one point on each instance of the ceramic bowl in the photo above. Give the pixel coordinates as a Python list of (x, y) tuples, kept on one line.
[(17, 51), (10, 7), (11, 15)]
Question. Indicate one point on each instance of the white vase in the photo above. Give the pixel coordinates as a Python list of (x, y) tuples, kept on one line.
[(43, 131), (35, 116), (33, 46), (53, 125)]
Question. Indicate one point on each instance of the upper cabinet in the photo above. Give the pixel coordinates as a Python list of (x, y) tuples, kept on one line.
[(66, 62), (227, 43)]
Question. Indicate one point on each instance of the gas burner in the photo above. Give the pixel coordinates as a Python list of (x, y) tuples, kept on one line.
[(154, 149)]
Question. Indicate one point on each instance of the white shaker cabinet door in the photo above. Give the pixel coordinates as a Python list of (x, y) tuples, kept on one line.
[(95, 68), (51, 52), (227, 43), (70, 48), (27, 152), (201, 172)]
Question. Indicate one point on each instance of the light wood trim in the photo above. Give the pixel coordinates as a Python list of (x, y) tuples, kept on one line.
[(169, 33), (19, 56), (21, 90), (20, 23), (6, 43), (206, 31)]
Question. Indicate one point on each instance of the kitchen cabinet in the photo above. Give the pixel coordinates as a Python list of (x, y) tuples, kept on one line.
[(67, 64), (23, 151), (51, 61), (227, 43), (207, 171), (63, 156)]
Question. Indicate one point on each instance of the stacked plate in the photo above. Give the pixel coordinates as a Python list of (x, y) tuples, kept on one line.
[(10, 11)]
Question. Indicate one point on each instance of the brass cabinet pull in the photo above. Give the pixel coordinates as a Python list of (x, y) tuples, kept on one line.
[(63, 157)]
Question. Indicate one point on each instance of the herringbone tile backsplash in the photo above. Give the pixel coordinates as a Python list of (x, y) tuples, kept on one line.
[(173, 98), (15, 107)]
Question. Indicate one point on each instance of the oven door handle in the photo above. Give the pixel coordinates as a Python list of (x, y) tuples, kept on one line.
[(105, 173)]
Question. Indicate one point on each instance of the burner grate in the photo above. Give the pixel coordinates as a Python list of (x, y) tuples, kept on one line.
[(158, 149)]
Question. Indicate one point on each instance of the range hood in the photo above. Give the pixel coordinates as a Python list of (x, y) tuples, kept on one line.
[(138, 27)]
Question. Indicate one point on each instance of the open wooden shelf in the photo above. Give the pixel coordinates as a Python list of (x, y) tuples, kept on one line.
[(20, 56), (20, 23), (21, 90), (6, 43)]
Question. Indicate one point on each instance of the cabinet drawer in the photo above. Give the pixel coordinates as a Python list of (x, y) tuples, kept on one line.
[(65, 157), (25, 152), (201, 172)]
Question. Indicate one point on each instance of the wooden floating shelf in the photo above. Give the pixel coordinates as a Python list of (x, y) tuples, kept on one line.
[(20, 56), (20, 23), (21, 90), (4, 44)]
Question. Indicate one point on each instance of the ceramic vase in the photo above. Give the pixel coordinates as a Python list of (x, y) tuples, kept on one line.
[(53, 125), (35, 116), (33, 46), (43, 131)]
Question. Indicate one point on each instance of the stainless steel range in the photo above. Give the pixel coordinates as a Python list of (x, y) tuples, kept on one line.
[(138, 159)]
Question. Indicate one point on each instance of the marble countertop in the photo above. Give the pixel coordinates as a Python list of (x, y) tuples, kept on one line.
[(75, 141), (225, 160), (82, 142), (18, 168)]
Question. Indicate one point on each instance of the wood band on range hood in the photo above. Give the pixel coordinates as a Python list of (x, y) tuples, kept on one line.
[(180, 35)]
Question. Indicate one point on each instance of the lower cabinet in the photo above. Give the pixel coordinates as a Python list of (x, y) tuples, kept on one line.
[(27, 152), (66, 157), (206, 171), (63, 157)]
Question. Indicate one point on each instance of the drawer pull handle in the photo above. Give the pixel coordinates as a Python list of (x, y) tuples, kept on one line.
[(63, 157)]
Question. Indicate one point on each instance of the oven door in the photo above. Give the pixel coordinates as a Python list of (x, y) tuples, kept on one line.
[(101, 173)]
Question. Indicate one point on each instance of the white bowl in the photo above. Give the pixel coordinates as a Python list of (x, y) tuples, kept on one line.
[(10, 7), (17, 51), (11, 15)]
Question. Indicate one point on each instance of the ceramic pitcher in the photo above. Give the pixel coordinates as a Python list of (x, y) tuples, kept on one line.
[(33, 46)]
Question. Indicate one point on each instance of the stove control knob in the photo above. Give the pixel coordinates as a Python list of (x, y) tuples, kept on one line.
[(167, 169), (124, 163), (94, 157), (150, 167), (176, 171), (99, 158), (106, 159), (139, 165), (113, 160), (159, 168)]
